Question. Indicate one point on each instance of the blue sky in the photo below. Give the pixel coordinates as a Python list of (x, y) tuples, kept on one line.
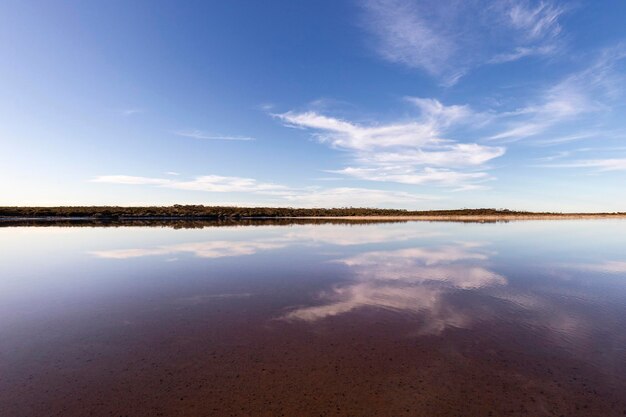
[(386, 103)]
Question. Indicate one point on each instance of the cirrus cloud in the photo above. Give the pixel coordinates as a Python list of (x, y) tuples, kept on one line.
[(198, 134), (438, 38)]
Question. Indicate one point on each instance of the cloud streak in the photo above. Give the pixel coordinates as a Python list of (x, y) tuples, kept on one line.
[(437, 37), (198, 134), (522, 52), (602, 165), (210, 183)]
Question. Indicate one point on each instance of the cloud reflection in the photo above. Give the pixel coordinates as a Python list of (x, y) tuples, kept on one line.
[(213, 249), (607, 267), (414, 280)]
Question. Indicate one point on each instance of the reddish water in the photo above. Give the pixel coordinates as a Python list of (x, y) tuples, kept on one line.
[(415, 319)]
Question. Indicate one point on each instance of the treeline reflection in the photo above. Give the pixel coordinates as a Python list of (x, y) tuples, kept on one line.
[(201, 224)]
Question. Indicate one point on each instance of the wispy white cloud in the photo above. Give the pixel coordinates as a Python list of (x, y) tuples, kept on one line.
[(561, 103), (607, 164), (554, 157), (560, 155), (130, 180), (218, 183), (556, 140), (211, 183), (434, 176), (198, 134), (536, 22), (452, 155), (406, 36), (576, 96), (522, 52), (438, 38), (412, 152)]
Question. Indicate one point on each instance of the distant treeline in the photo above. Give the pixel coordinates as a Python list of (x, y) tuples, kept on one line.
[(219, 212), (182, 223)]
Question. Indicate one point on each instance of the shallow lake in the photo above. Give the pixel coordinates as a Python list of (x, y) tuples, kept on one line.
[(382, 319)]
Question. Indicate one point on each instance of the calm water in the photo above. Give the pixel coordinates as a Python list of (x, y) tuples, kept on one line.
[(416, 319)]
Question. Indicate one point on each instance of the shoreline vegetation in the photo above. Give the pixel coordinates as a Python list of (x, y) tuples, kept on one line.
[(107, 214)]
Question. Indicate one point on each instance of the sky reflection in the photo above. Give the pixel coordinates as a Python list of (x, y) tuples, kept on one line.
[(240, 244)]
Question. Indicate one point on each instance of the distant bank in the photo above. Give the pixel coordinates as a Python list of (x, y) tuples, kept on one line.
[(192, 212)]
